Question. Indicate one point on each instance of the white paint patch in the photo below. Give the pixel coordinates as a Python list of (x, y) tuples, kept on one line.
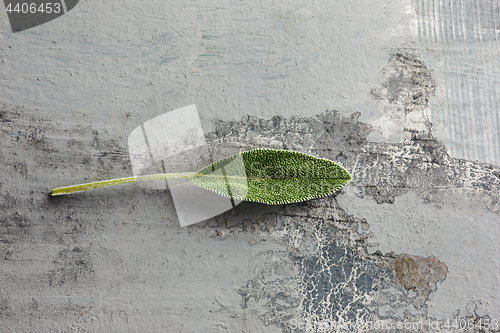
[(173, 133)]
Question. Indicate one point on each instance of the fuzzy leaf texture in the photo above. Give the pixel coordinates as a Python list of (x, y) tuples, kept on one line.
[(273, 177)]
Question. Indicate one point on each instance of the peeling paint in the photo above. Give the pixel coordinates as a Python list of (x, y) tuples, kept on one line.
[(407, 87), (418, 273), (311, 261), (381, 171)]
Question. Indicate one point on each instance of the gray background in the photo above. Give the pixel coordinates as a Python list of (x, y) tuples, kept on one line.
[(116, 260)]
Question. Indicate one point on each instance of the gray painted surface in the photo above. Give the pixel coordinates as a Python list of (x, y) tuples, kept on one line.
[(413, 238), (109, 59)]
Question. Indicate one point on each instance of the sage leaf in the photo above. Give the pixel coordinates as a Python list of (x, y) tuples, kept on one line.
[(273, 177), (260, 175)]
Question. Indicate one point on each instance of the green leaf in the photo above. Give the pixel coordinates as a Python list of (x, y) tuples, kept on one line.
[(273, 177), (261, 175)]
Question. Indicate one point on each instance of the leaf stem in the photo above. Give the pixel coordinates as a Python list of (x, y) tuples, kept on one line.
[(118, 181)]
